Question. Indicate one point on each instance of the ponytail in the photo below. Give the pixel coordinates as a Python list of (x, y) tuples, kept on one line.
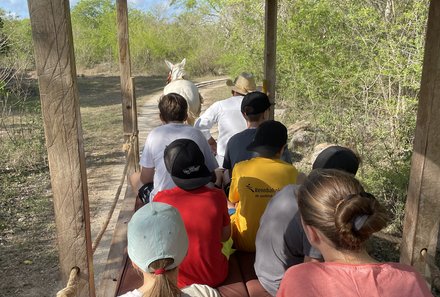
[(164, 286)]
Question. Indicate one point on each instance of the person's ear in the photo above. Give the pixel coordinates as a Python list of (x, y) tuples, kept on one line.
[(161, 118), (266, 114), (311, 233), (282, 149)]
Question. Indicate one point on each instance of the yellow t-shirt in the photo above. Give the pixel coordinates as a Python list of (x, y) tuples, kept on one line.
[(254, 182)]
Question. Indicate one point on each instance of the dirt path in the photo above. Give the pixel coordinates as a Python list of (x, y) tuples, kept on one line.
[(101, 194)]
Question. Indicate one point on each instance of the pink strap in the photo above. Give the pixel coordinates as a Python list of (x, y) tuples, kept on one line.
[(159, 271)]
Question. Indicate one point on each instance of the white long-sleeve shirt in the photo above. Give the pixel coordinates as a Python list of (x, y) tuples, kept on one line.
[(227, 114)]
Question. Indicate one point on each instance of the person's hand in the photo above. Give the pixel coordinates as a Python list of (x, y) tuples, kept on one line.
[(219, 177), (213, 144)]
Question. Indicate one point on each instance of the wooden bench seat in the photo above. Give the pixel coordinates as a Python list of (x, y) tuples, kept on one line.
[(240, 282)]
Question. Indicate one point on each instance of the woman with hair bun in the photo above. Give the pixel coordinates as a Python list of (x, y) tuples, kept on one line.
[(338, 217)]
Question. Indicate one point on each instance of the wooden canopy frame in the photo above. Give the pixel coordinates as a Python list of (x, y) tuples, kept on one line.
[(55, 62)]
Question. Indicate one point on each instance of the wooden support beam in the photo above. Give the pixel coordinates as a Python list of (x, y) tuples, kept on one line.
[(129, 110), (270, 50), (422, 212), (55, 62), (109, 283)]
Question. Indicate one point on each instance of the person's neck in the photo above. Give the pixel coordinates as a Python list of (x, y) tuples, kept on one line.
[(173, 122), (150, 280), (347, 257), (255, 124), (274, 157)]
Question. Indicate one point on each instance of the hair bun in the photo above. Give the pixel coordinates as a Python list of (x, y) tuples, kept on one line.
[(357, 217), (336, 204)]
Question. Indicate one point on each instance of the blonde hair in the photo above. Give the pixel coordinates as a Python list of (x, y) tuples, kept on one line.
[(163, 285), (335, 203)]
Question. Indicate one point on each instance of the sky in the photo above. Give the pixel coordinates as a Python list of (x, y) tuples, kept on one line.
[(18, 8)]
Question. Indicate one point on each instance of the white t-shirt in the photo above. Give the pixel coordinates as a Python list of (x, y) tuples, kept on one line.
[(158, 139), (190, 291), (227, 114)]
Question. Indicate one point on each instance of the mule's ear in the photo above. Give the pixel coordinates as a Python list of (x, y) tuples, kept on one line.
[(169, 64), (182, 64)]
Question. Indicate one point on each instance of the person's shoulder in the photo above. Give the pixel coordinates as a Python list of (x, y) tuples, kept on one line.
[(167, 194), (400, 267), (236, 138), (242, 165), (210, 192), (156, 130), (212, 107), (191, 132), (245, 133), (287, 191), (166, 128), (196, 290), (304, 270), (287, 166), (232, 98)]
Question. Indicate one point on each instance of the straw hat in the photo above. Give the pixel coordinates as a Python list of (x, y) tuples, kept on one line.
[(243, 84)]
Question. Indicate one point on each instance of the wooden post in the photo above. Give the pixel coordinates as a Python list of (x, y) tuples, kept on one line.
[(270, 50), (129, 114), (55, 61), (422, 212)]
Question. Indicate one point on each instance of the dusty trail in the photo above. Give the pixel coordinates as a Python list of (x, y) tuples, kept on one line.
[(101, 194)]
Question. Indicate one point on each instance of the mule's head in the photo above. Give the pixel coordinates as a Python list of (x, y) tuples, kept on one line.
[(176, 71)]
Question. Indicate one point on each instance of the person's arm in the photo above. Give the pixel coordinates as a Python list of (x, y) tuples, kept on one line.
[(210, 160), (213, 145), (218, 177), (147, 175), (207, 120), (227, 158), (138, 179), (226, 177)]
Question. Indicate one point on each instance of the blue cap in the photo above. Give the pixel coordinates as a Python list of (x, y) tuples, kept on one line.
[(156, 231)]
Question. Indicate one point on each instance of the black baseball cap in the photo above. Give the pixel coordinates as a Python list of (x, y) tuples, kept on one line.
[(186, 164), (269, 138), (337, 157), (255, 103)]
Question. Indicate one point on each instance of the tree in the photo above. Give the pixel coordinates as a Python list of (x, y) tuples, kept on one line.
[(94, 30), (4, 44)]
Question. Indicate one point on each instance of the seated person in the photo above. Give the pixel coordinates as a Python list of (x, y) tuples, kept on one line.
[(338, 217), (203, 210), (173, 110), (255, 109), (226, 115), (157, 244), (255, 181), (277, 251)]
